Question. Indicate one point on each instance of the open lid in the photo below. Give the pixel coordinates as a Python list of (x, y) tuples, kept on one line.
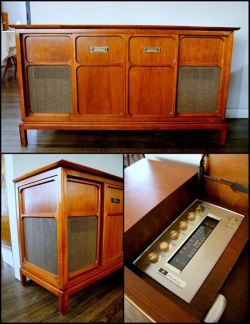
[(229, 167)]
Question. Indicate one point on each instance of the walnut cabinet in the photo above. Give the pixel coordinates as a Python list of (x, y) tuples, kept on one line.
[(123, 77), (70, 227)]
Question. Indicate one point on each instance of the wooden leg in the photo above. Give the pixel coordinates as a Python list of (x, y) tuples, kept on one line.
[(23, 135), (64, 303), (223, 134), (23, 279), (8, 64)]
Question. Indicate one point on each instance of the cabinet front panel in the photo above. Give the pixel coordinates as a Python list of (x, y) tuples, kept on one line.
[(113, 224), (198, 89), (82, 242), (52, 49), (99, 50), (152, 50), (101, 90), (39, 198), (40, 239), (50, 89), (201, 50), (83, 197), (151, 91)]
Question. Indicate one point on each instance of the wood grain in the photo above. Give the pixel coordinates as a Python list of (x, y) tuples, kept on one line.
[(76, 191)]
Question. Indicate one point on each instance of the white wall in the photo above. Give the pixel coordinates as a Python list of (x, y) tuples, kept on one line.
[(193, 159), (111, 163), (19, 164), (196, 13), (16, 11)]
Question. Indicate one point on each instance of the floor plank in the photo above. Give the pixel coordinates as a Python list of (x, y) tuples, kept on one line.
[(113, 141), (101, 302)]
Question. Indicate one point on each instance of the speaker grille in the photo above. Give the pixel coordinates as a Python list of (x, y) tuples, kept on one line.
[(50, 89), (82, 237), (198, 89), (40, 237)]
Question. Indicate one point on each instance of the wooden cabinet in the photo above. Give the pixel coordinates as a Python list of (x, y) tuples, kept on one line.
[(123, 77), (70, 227), (164, 191)]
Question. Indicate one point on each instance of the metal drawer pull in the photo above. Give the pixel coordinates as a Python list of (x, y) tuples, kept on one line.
[(151, 49), (115, 200), (99, 49)]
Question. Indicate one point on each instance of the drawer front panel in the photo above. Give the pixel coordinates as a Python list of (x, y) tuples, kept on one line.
[(152, 50), (151, 91), (50, 89), (52, 49), (39, 198), (101, 90), (198, 90), (114, 200), (201, 50), (83, 198), (99, 50)]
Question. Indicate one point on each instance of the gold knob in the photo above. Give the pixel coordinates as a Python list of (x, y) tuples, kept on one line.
[(191, 216), (232, 220), (183, 225), (153, 257), (199, 208), (164, 246), (174, 235)]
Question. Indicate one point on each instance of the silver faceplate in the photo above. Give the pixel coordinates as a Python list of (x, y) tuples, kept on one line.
[(186, 282)]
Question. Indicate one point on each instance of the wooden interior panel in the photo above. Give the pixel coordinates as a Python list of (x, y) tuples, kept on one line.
[(113, 56), (48, 48), (200, 50), (100, 91), (151, 91), (232, 167), (39, 198), (83, 197), (166, 55)]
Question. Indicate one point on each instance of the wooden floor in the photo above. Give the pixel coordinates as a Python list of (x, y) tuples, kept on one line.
[(113, 141), (100, 303)]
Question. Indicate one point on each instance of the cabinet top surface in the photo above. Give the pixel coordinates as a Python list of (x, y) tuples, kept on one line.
[(210, 28), (69, 165), (148, 183)]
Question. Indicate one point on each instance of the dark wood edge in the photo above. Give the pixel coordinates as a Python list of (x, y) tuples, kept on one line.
[(70, 165), (124, 27)]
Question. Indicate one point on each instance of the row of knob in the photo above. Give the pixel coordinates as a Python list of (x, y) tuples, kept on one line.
[(174, 234)]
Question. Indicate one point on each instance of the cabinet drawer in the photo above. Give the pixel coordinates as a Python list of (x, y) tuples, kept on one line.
[(51, 49), (114, 200), (201, 50), (99, 50), (152, 50)]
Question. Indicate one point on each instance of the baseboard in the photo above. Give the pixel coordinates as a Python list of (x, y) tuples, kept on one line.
[(7, 255)]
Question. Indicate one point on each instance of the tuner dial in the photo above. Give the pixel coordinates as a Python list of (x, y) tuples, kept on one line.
[(199, 208), (164, 246), (153, 257), (191, 216), (183, 225), (174, 235)]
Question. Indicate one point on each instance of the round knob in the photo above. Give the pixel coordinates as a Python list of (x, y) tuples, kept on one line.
[(153, 257), (183, 225), (164, 246), (174, 235), (232, 220), (199, 208), (191, 216)]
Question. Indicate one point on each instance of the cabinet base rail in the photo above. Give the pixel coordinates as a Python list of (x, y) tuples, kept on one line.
[(23, 127)]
